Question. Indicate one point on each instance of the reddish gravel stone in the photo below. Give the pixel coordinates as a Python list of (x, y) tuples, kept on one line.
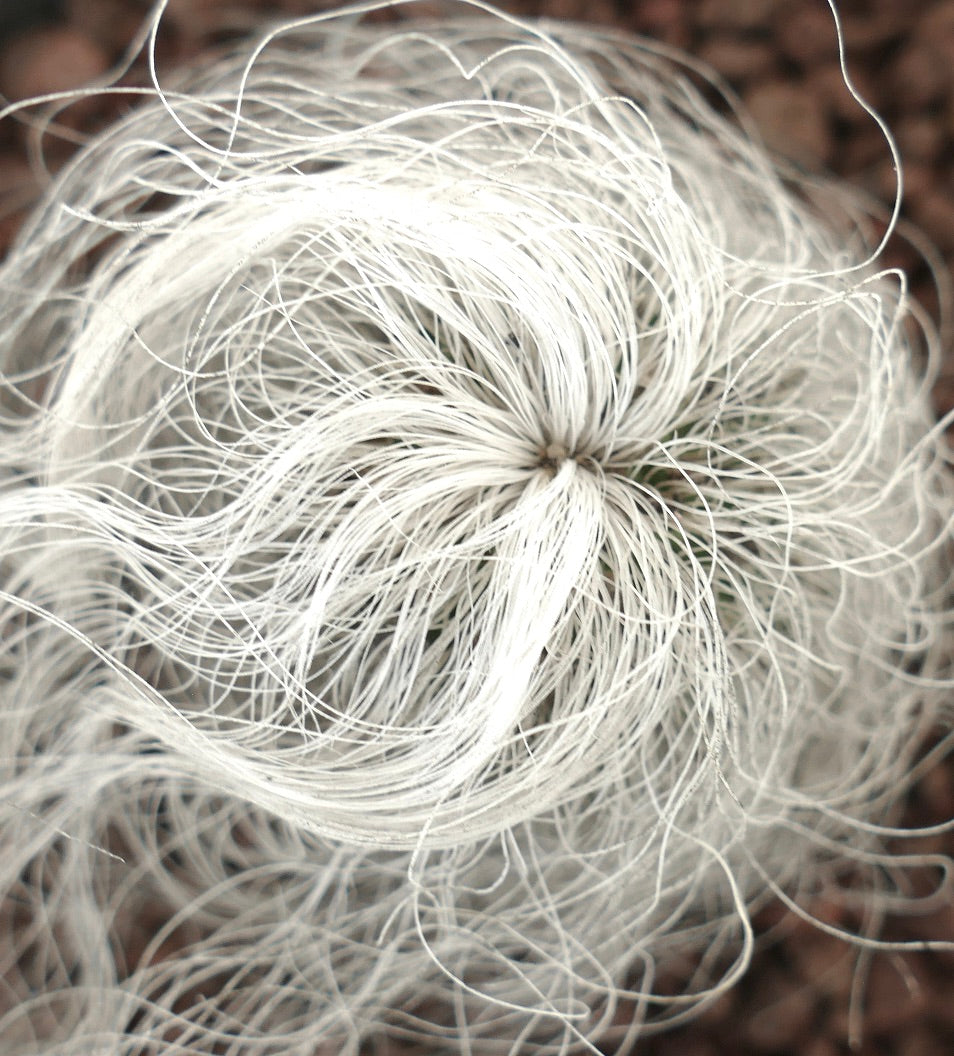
[(924, 1041), (774, 917), (16, 179), (936, 28), (674, 1045), (601, 12), (782, 1014), (112, 23), (919, 77), (901, 256), (895, 996), (934, 211), (943, 394), (936, 789), (942, 1006), (736, 14), (820, 1047), (10, 223), (790, 121), (919, 137), (882, 22), (197, 17), (55, 59), (720, 1011), (17, 192), (867, 148), (663, 20), (805, 34), (827, 84), (737, 59), (826, 963)]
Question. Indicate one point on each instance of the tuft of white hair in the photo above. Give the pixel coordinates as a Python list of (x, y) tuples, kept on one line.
[(471, 531)]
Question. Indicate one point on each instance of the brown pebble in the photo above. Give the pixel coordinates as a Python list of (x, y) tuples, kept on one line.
[(684, 1044), (919, 76), (782, 1014), (720, 1011), (195, 16), (663, 20), (54, 59), (866, 147), (193, 25), (10, 223), (736, 14), (919, 137), (791, 121), (820, 1047), (895, 995), (598, 13), (924, 1041), (826, 963), (936, 790), (111, 23), (829, 909), (737, 60), (934, 213), (918, 180), (827, 84), (16, 179), (936, 28), (571, 10), (943, 397), (883, 21), (900, 256), (941, 1005), (774, 917), (806, 34), (18, 190)]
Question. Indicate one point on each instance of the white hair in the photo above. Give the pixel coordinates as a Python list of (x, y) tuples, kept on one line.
[(471, 531)]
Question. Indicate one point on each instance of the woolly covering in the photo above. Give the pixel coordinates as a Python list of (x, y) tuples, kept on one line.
[(471, 530)]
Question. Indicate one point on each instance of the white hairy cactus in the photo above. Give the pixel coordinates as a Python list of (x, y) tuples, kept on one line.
[(469, 529)]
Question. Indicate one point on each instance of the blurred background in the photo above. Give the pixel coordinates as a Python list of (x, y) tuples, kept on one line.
[(807, 993)]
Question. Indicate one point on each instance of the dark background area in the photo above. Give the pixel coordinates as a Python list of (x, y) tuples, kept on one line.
[(804, 987)]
